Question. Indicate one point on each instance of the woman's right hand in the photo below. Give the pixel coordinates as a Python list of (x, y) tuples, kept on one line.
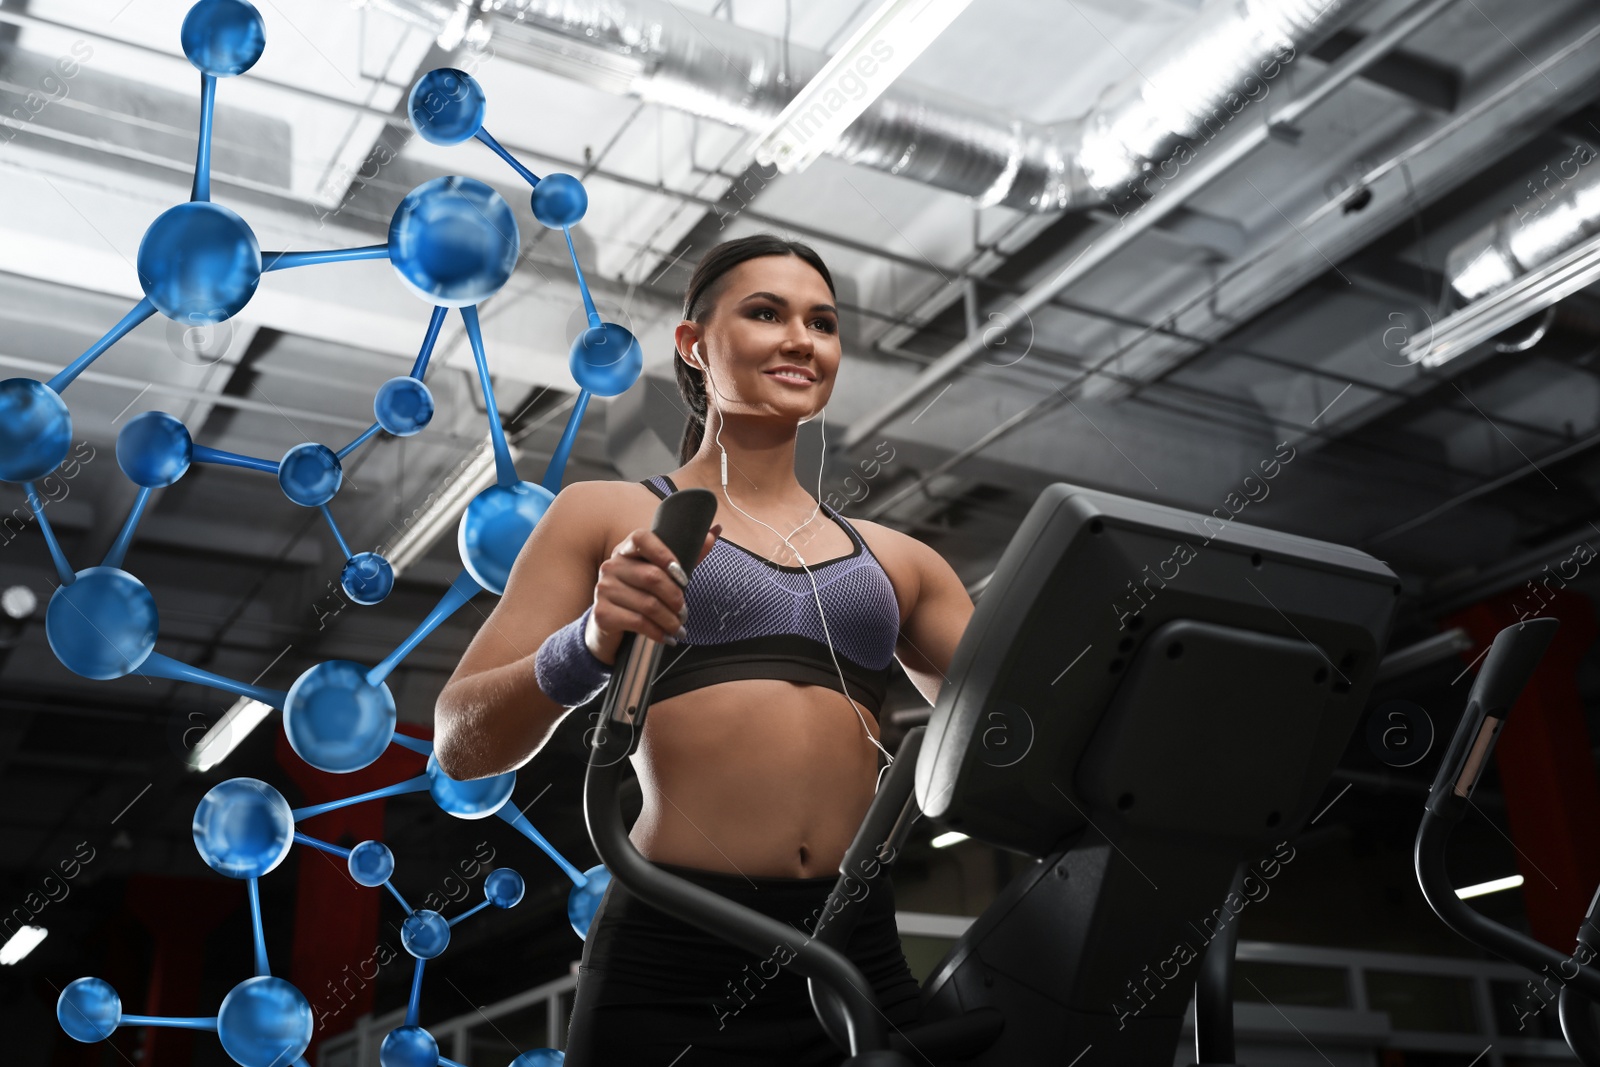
[(636, 592)]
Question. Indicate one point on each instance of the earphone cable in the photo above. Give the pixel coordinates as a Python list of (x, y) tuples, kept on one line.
[(816, 594)]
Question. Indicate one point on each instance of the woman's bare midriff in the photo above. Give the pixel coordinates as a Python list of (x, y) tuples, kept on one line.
[(759, 777)]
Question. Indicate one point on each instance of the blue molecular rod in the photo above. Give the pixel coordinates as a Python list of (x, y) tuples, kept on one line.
[(455, 243)]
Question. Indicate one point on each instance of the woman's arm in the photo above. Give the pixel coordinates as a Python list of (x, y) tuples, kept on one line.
[(491, 716), (939, 615)]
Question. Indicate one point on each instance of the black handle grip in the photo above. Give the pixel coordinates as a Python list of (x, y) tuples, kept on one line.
[(1511, 661), (682, 521), (1507, 668)]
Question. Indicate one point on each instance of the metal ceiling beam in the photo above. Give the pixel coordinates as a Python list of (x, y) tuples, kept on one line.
[(1200, 175), (13, 17), (1499, 96)]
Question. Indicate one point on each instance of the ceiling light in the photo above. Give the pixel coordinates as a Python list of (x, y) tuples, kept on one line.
[(234, 726), (443, 508), (21, 943), (1530, 294), (945, 840), (855, 76), (18, 602), (1489, 887), (17, 605)]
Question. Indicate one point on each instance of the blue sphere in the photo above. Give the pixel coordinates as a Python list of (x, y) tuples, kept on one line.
[(454, 241), (606, 359), (477, 799), (310, 474), (367, 578), (403, 405), (408, 1046), (425, 934), (199, 263), (494, 528), (89, 1009), (154, 449), (264, 1022), (504, 887), (446, 106), (559, 200), (540, 1057), (103, 625), (223, 37), (371, 863), (335, 720), (35, 430), (584, 900), (243, 828)]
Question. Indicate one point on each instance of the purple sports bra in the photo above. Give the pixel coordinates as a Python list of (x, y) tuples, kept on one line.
[(752, 618)]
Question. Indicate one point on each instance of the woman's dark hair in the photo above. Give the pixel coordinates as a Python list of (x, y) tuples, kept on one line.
[(700, 297)]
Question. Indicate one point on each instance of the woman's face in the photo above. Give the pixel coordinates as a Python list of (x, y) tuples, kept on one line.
[(772, 312)]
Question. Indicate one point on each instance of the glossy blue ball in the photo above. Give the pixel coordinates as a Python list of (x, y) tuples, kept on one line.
[(223, 37), (103, 625), (446, 106), (494, 528), (154, 449), (454, 241), (310, 474), (243, 828), (408, 1046), (425, 934), (503, 887), (335, 720), (367, 578), (606, 359), (477, 799), (584, 900), (559, 200), (199, 263), (540, 1057), (35, 430), (403, 405), (89, 1009), (264, 1022), (371, 863)]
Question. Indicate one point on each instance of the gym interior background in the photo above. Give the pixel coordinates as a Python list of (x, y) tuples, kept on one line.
[(1323, 267)]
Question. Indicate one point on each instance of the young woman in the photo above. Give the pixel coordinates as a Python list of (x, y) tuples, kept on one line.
[(760, 754)]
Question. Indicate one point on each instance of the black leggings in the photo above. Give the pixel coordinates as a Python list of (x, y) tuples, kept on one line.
[(654, 991)]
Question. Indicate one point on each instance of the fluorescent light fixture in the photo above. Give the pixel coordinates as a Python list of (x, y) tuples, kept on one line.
[(442, 510), (18, 602), (1489, 887), (234, 726), (887, 43), (1530, 294), (21, 943), (945, 840), (439, 514)]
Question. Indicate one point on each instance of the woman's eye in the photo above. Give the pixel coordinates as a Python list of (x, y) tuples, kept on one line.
[(764, 311), (826, 325)]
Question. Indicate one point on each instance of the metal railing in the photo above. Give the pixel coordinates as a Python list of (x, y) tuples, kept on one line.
[(1362, 1001)]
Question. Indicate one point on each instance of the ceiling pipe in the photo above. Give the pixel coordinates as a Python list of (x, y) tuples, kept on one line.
[(1559, 209), (1200, 174), (1218, 64)]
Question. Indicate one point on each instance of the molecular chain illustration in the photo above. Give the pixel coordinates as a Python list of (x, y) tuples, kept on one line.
[(454, 242)]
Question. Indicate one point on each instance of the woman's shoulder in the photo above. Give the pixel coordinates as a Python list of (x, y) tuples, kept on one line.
[(602, 507), (900, 554)]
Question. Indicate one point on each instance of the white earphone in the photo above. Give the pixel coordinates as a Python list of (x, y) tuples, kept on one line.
[(815, 593)]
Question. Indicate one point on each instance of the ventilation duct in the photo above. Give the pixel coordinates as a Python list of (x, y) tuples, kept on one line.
[(1141, 129), (1559, 209)]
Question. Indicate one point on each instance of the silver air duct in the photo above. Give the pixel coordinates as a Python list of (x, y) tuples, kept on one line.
[(1558, 208), (1140, 130)]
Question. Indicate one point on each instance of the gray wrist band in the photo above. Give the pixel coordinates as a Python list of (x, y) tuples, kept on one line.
[(567, 671)]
